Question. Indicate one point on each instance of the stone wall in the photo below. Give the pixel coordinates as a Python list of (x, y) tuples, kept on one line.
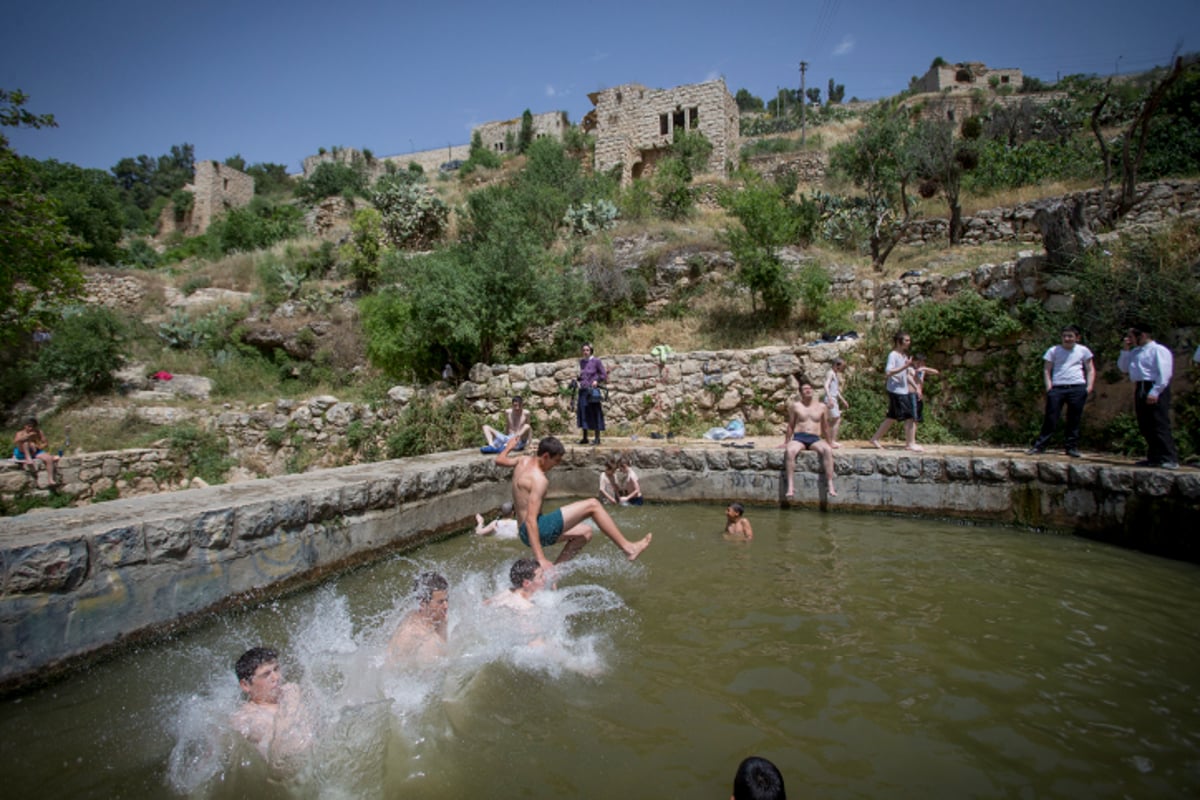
[(633, 125), (76, 582), (499, 136), (808, 165), (88, 476), (431, 160), (1160, 202)]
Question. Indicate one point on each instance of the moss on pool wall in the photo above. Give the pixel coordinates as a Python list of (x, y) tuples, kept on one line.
[(76, 582)]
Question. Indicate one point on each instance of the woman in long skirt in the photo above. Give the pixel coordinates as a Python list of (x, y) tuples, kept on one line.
[(589, 411)]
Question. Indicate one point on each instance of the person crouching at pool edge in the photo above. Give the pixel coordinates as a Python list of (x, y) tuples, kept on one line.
[(736, 525)]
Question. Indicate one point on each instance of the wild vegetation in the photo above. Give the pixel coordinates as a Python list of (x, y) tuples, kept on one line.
[(513, 258)]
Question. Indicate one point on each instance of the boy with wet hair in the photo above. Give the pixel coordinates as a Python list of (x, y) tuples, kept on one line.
[(272, 718), (758, 779), (527, 579), (736, 524), (421, 635)]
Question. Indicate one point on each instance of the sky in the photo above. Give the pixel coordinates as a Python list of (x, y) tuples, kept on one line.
[(274, 80)]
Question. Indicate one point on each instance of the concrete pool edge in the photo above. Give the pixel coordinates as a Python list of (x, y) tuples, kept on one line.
[(78, 582)]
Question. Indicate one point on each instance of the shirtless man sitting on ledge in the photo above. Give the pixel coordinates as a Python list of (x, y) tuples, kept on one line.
[(807, 429)]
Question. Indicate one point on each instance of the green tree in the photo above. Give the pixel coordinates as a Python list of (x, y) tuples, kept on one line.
[(688, 155), (767, 223), (813, 94), (36, 270), (836, 92), (525, 136), (941, 161), (332, 178), (747, 102), (270, 179), (85, 350), (874, 160), (90, 204), (236, 161)]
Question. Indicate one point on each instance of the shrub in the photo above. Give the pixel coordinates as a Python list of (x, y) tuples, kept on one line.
[(636, 202), (361, 254), (412, 215), (589, 218), (427, 427), (206, 453), (139, 254), (85, 349), (332, 178)]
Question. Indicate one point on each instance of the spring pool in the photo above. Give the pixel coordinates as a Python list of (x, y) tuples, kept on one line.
[(867, 656)]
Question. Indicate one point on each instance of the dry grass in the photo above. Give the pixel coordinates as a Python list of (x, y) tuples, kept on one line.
[(719, 318), (1012, 197)]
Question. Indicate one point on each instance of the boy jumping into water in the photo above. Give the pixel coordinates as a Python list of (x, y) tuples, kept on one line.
[(569, 523), (273, 717)]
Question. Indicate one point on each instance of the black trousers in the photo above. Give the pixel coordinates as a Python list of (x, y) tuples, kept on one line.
[(1074, 397), (1154, 421)]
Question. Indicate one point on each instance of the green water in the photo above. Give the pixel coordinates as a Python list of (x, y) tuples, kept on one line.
[(866, 656)]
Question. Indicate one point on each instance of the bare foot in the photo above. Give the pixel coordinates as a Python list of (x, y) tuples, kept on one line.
[(790, 493), (875, 443), (636, 548), (837, 444), (832, 491), (916, 448)]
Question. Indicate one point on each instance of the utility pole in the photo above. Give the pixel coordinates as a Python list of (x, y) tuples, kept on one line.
[(803, 126)]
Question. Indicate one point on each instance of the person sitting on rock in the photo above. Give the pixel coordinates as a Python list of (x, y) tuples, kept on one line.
[(30, 447), (516, 424)]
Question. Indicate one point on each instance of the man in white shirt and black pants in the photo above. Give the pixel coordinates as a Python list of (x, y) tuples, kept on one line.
[(1069, 373), (1149, 365)]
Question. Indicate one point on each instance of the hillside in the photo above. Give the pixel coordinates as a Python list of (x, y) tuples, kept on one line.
[(347, 311)]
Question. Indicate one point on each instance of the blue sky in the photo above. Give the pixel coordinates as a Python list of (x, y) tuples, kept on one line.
[(274, 80)]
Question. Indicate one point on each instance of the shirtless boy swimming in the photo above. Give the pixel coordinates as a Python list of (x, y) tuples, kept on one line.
[(273, 717)]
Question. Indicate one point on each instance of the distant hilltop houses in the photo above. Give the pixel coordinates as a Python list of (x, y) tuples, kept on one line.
[(968, 75), (632, 125)]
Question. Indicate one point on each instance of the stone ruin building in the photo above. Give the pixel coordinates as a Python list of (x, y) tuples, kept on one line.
[(633, 125), (215, 189), (501, 137), (966, 76)]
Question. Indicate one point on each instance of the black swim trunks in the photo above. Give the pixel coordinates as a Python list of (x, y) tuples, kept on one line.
[(806, 439)]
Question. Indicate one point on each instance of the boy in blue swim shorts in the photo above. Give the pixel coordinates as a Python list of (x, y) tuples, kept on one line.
[(569, 523)]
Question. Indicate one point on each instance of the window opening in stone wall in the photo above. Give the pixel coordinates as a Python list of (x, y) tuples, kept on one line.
[(226, 185), (619, 98), (677, 118), (663, 127), (1004, 79), (950, 114), (694, 117)]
